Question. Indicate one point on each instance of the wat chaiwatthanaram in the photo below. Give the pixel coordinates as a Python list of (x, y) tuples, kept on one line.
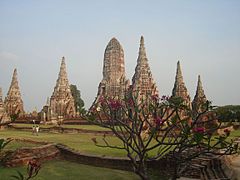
[(60, 106), (135, 111)]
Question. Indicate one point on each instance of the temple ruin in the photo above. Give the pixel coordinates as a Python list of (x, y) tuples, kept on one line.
[(61, 104), (179, 89), (4, 117), (13, 101), (114, 83), (199, 98), (142, 82)]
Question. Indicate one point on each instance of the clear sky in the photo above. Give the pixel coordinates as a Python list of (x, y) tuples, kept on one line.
[(204, 35)]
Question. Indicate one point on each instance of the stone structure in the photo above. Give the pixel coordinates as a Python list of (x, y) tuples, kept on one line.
[(179, 89), (13, 101), (61, 103), (199, 98), (142, 82), (4, 117), (114, 83), (21, 156), (46, 112)]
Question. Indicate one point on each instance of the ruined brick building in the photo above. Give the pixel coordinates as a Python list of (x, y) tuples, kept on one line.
[(4, 116), (13, 101), (61, 103), (114, 84)]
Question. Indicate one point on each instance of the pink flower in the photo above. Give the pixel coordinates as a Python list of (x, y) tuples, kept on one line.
[(115, 104), (164, 98), (93, 109), (101, 100), (227, 131), (33, 168), (199, 130), (158, 121), (155, 97), (130, 88), (130, 102)]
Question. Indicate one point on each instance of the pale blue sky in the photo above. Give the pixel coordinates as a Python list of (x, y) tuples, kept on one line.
[(203, 35)]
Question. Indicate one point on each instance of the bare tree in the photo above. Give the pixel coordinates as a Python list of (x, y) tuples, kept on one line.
[(162, 124)]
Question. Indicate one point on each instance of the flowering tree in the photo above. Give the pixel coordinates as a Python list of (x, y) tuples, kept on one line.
[(4, 142), (164, 125), (32, 170)]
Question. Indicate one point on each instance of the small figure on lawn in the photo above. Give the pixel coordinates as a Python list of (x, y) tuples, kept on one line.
[(37, 130), (33, 129)]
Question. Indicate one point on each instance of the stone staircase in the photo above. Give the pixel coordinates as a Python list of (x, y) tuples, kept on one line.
[(209, 167)]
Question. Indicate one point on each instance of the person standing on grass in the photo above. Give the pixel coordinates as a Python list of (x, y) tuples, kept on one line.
[(33, 129), (37, 129)]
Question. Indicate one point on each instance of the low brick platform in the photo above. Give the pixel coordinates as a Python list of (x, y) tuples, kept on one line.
[(23, 155)]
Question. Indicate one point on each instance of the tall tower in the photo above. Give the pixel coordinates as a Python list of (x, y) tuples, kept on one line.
[(199, 98), (179, 89), (1, 101), (114, 83), (4, 117), (142, 81), (13, 101), (61, 101)]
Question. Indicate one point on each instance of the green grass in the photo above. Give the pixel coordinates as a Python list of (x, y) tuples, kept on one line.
[(235, 133), (86, 127), (62, 170), (13, 145), (80, 142), (30, 125)]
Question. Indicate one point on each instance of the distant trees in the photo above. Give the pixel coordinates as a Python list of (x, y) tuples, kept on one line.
[(79, 103), (229, 113)]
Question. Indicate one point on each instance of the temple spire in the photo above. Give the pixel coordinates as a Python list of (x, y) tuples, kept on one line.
[(142, 41), (114, 82), (199, 98), (63, 65), (1, 100), (13, 101), (62, 76), (179, 76), (179, 89), (142, 57), (4, 117), (199, 87), (14, 83), (61, 101), (48, 102), (142, 81)]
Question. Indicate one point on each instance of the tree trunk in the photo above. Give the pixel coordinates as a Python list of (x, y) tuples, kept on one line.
[(143, 176), (142, 172), (175, 174)]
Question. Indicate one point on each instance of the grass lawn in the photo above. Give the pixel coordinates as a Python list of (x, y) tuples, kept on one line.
[(235, 133), (80, 142), (62, 170), (13, 145), (87, 127)]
